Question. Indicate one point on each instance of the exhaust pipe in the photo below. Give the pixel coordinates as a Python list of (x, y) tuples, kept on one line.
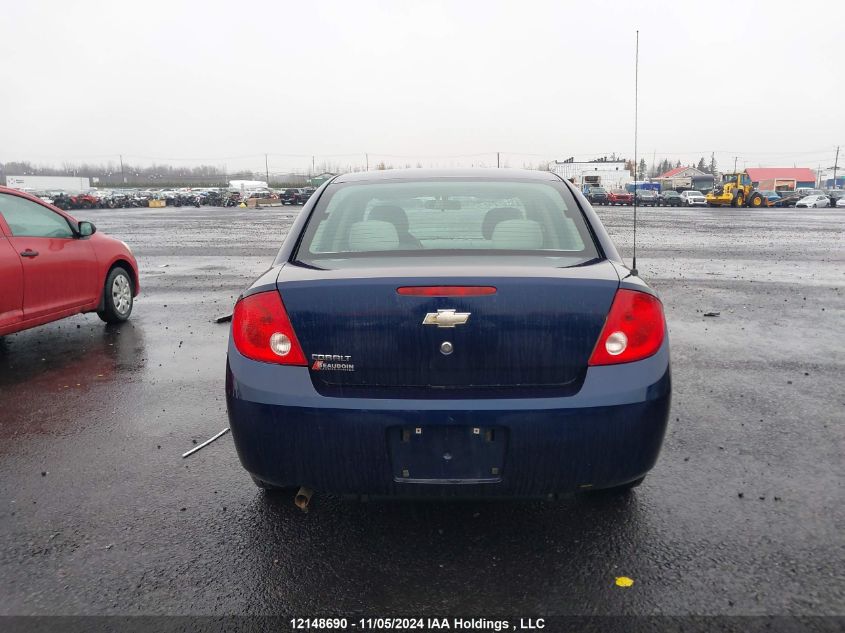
[(303, 498)]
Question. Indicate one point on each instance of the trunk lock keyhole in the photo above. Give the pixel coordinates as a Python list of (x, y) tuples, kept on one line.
[(446, 348)]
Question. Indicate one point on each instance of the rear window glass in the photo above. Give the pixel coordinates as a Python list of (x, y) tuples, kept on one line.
[(420, 218)]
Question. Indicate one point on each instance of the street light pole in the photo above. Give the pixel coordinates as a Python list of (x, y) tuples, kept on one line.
[(835, 167)]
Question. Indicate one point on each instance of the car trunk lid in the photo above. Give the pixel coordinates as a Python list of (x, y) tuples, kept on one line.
[(535, 330)]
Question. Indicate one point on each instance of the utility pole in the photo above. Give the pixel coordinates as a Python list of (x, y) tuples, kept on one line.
[(312, 165), (367, 161), (498, 161), (267, 169), (122, 174), (835, 167), (735, 164)]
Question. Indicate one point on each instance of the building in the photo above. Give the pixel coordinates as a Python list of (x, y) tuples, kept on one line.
[(69, 184), (685, 179), (826, 177), (316, 181), (781, 178), (609, 174), (247, 185), (681, 172)]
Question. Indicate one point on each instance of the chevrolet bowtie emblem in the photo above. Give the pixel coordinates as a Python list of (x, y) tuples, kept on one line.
[(446, 318)]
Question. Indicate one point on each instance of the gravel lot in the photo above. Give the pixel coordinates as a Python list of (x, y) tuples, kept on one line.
[(743, 514)]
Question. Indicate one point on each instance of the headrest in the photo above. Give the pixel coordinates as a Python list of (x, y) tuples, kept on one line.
[(523, 235), (496, 215), (391, 213), (373, 235)]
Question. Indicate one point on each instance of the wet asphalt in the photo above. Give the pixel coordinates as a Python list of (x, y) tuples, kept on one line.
[(743, 514)]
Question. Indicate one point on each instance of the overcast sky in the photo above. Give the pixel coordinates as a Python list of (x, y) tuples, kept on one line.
[(431, 82)]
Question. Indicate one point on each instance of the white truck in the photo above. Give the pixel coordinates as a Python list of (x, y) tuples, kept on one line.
[(68, 184)]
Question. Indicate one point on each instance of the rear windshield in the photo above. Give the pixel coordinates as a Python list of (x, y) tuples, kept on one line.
[(446, 217)]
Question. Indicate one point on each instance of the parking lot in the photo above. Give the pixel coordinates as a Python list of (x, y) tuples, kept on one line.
[(743, 514)]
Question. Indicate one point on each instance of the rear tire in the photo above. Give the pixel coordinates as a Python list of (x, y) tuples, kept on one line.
[(118, 294)]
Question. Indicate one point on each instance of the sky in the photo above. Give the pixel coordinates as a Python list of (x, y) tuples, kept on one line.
[(420, 82)]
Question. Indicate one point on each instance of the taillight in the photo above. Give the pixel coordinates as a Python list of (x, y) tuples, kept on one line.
[(262, 330), (634, 329)]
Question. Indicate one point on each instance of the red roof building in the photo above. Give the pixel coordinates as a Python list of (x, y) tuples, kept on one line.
[(802, 176)]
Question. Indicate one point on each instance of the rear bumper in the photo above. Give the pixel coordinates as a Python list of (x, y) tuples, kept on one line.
[(608, 434)]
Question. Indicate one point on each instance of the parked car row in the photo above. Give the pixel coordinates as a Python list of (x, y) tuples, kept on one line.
[(805, 198), (645, 197), (801, 198), (132, 198), (284, 196)]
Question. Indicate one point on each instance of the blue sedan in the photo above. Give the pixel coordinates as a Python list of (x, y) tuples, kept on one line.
[(448, 333)]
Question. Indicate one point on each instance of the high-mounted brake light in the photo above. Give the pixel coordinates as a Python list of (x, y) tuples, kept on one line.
[(262, 330), (634, 329), (446, 291)]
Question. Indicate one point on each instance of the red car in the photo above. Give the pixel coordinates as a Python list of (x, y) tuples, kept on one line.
[(620, 196), (53, 266)]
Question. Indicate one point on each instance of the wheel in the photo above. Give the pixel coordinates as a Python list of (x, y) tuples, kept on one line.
[(756, 201), (738, 201), (117, 297)]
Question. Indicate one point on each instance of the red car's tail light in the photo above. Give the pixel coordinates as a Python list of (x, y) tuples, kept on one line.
[(634, 329), (446, 291), (262, 330)]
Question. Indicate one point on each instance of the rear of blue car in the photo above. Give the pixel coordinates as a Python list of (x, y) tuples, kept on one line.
[(448, 337)]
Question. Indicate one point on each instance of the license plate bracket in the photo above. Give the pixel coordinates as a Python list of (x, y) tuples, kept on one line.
[(447, 454)]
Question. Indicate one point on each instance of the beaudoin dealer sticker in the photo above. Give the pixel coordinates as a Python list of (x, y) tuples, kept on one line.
[(331, 362)]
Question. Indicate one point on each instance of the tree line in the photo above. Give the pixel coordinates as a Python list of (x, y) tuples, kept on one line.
[(114, 174), (645, 171)]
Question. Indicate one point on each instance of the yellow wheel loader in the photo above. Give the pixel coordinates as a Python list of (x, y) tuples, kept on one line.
[(735, 190)]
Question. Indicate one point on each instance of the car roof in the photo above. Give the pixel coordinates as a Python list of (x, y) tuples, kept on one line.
[(486, 173)]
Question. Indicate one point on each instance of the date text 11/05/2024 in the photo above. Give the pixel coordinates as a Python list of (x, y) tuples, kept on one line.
[(419, 624)]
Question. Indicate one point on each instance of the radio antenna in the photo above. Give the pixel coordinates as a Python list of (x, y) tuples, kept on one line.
[(636, 165)]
